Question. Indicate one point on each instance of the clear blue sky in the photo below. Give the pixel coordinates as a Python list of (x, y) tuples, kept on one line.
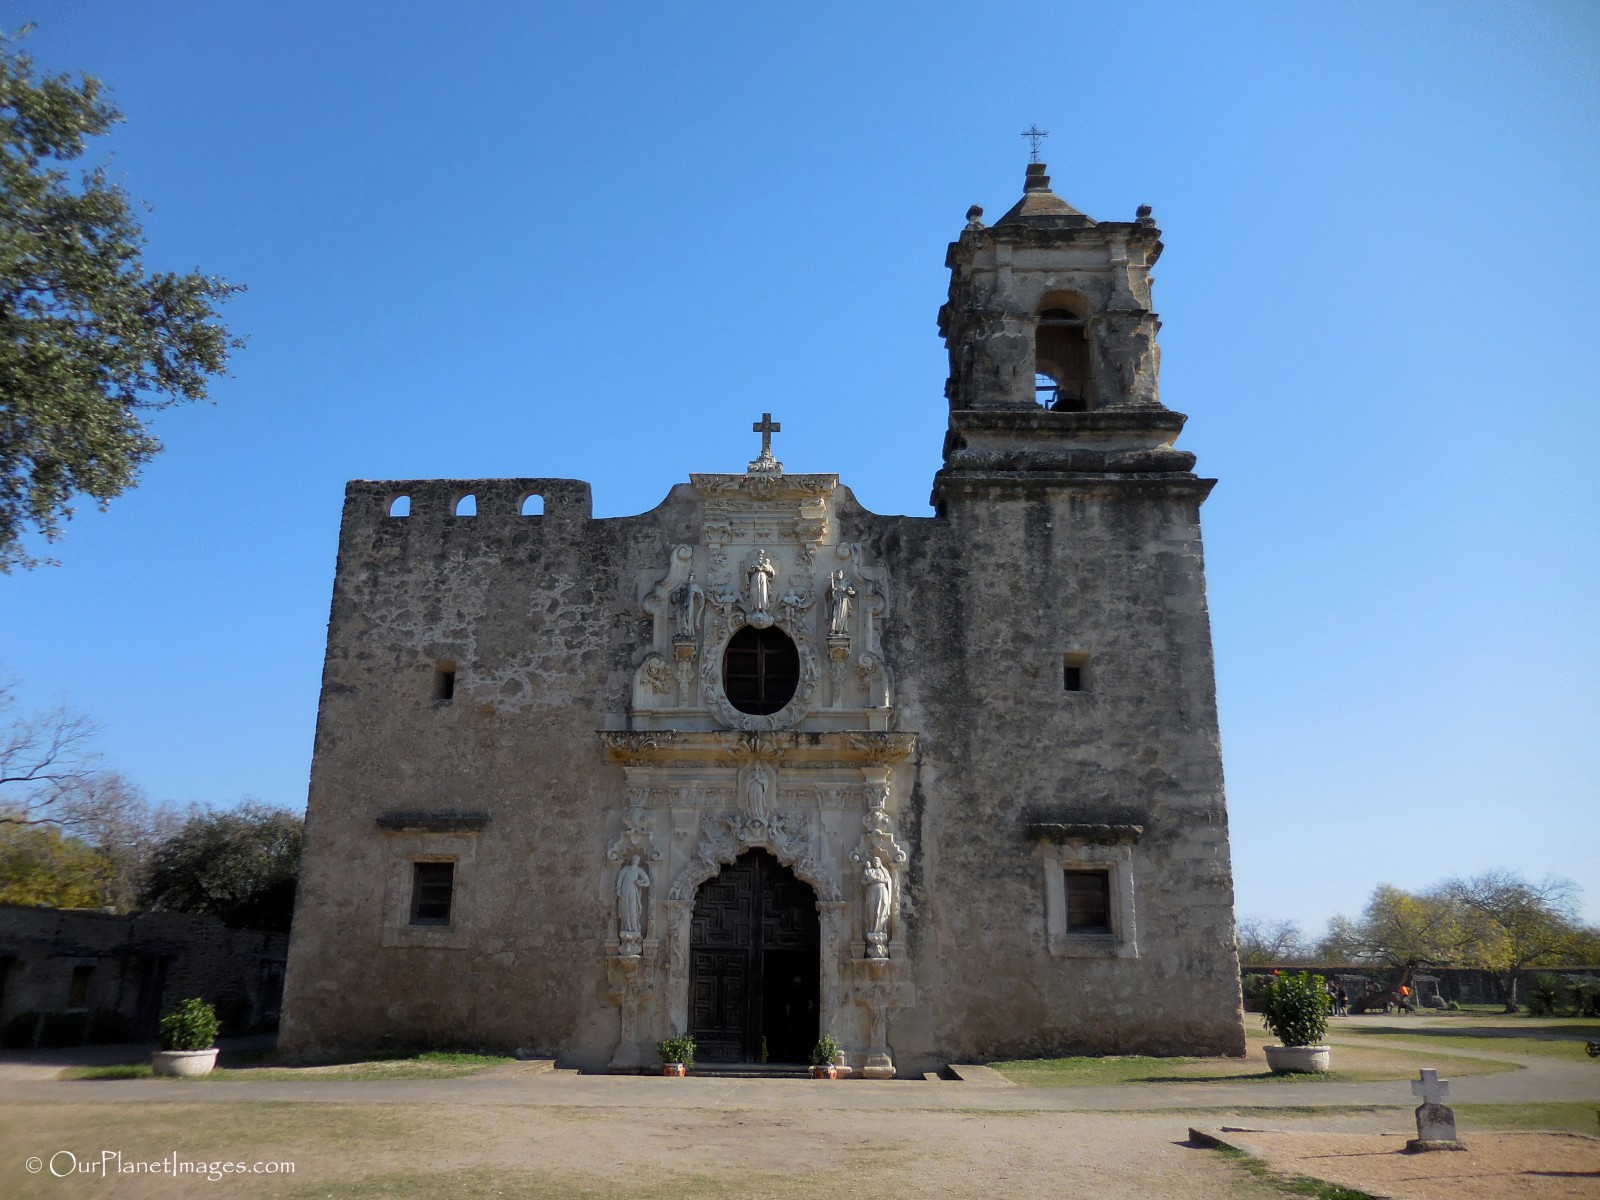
[(596, 241)]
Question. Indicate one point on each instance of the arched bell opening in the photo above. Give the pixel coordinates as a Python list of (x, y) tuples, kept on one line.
[(754, 964), (1061, 355)]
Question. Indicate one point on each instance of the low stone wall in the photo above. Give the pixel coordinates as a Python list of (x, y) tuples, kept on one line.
[(1464, 985), (137, 965)]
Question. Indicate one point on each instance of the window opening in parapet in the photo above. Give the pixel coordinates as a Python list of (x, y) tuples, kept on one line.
[(533, 505), (1089, 902), (1075, 672), (760, 670), (444, 682), (432, 889), (400, 506), (1061, 360), (467, 506)]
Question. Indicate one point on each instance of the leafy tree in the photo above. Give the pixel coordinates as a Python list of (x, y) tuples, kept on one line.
[(1341, 943), (1407, 930), (40, 865), (1264, 942), (89, 340), (1516, 924), (240, 865)]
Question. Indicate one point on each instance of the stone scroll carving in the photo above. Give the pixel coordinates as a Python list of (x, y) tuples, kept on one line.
[(658, 601)]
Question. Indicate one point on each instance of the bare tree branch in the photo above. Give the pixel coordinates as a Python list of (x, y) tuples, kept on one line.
[(44, 758)]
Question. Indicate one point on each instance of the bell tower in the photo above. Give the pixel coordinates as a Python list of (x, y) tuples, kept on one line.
[(1052, 343)]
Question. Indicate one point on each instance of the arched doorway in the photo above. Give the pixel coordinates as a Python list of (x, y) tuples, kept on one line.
[(753, 964)]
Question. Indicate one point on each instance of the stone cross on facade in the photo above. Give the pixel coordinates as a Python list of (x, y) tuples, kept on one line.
[(1436, 1122), (766, 427)]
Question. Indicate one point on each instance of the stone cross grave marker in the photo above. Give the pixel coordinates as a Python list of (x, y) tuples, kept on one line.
[(1436, 1122)]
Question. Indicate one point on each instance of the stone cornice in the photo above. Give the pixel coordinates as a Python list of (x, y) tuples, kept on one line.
[(764, 486)]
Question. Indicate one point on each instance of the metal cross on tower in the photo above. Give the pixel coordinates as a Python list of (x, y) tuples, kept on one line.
[(766, 427), (1035, 135)]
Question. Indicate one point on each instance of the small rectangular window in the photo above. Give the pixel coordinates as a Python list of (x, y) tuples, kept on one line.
[(1089, 902), (1075, 672), (444, 682), (78, 989), (432, 889)]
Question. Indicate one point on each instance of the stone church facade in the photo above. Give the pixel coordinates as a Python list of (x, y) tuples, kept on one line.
[(760, 764)]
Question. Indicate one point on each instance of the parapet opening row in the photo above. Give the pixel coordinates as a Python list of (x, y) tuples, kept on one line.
[(466, 505)]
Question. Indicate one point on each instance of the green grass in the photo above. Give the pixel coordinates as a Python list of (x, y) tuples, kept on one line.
[(430, 1064), (1353, 1065), (1290, 1185), (1544, 1037), (1563, 1116)]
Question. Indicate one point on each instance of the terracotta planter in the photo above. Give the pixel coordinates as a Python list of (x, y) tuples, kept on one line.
[(183, 1062), (828, 1071), (1298, 1059), (678, 1069)]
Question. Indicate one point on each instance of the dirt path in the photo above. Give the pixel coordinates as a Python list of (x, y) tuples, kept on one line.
[(638, 1153), (1495, 1166)]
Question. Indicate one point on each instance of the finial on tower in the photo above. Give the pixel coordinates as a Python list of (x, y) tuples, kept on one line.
[(1035, 135)]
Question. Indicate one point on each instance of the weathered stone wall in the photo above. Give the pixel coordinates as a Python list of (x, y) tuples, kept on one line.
[(541, 616), (1003, 589)]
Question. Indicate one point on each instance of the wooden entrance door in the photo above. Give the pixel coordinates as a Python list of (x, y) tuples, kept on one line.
[(753, 963)]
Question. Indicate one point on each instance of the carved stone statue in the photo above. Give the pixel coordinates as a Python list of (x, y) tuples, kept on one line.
[(632, 880), (759, 575), (840, 594), (688, 603), (755, 793), (879, 886)]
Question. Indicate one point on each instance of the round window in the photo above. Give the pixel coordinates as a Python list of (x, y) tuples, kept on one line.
[(760, 670)]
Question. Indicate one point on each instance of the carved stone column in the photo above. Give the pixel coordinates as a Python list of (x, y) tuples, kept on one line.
[(680, 920), (633, 984), (876, 989), (831, 916)]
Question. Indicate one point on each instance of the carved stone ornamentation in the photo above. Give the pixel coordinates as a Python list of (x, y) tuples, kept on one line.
[(688, 605), (879, 887), (759, 574), (632, 883), (657, 600), (758, 791), (840, 595)]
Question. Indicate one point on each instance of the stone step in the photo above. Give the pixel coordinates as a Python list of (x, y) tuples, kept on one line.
[(751, 1070)]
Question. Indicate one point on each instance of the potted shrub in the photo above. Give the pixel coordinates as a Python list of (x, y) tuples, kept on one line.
[(677, 1055), (823, 1056), (188, 1040), (1295, 1008)]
